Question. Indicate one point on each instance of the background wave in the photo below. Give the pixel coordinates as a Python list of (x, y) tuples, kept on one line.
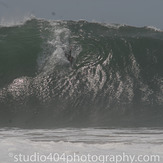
[(116, 77)]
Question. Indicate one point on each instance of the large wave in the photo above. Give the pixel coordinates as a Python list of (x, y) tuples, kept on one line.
[(116, 77)]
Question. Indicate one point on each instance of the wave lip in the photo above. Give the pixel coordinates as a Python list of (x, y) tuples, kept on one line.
[(16, 22), (154, 28)]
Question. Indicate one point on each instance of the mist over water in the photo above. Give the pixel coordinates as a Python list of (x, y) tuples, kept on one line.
[(116, 78)]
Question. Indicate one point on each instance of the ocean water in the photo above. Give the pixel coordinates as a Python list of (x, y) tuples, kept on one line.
[(116, 78), (105, 106), (81, 145)]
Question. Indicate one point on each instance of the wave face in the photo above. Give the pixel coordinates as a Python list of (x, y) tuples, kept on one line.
[(116, 77)]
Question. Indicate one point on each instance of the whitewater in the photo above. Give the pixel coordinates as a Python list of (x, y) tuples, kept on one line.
[(81, 145)]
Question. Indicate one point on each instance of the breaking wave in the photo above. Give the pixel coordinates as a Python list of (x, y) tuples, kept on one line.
[(116, 77)]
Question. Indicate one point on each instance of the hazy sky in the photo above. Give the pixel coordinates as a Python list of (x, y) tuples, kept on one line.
[(132, 12)]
